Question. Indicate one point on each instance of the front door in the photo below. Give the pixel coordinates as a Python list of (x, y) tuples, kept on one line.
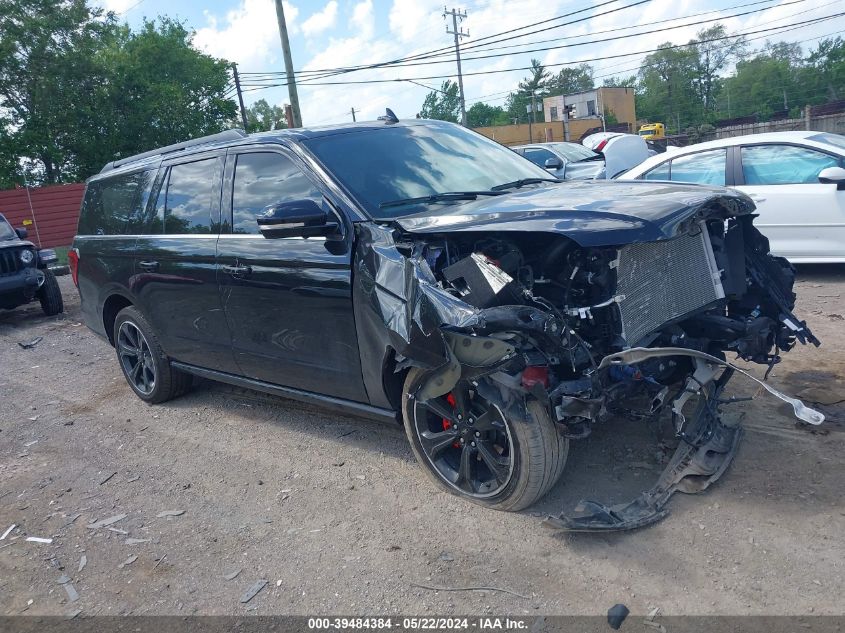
[(803, 218), (288, 301)]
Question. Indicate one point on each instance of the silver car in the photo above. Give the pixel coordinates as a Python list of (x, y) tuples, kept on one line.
[(569, 161)]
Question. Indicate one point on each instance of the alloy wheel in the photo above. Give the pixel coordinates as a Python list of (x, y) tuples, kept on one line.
[(137, 362), (467, 441)]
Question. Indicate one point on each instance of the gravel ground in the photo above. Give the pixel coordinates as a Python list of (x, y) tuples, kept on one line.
[(336, 516)]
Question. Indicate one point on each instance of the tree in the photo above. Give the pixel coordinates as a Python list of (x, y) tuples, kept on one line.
[(443, 104), (713, 51), (828, 65), (484, 115), (570, 80), (536, 83), (765, 84), (620, 82), (666, 88), (262, 117), (78, 90)]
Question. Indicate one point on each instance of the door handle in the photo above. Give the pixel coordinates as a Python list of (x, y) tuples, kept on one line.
[(149, 267), (237, 271)]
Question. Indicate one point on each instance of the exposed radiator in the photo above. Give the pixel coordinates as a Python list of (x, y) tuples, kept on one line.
[(664, 280)]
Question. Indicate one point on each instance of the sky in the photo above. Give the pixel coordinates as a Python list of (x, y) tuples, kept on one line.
[(328, 34)]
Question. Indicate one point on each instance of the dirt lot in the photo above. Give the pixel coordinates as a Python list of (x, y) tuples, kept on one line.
[(333, 512)]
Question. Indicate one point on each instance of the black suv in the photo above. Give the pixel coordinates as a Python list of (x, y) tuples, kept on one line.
[(417, 270), (24, 274)]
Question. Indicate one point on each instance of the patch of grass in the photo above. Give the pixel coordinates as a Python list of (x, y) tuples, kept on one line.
[(61, 253)]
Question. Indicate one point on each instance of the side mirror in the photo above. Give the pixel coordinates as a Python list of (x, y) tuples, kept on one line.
[(833, 176), (22, 233), (295, 218), (553, 163)]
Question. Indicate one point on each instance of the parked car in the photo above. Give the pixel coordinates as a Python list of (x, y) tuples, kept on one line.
[(796, 179), (567, 161), (621, 151), (420, 271), (24, 275)]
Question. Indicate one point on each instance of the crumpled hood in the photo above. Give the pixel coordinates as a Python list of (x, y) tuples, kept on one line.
[(592, 213)]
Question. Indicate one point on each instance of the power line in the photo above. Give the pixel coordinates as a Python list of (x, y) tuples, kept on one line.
[(580, 61)]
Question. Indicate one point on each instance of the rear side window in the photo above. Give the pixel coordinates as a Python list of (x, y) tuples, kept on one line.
[(262, 179), (189, 198), (783, 165), (538, 156), (112, 206), (661, 172), (705, 168)]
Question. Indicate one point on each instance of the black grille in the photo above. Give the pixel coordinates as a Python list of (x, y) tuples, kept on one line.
[(662, 281), (10, 261)]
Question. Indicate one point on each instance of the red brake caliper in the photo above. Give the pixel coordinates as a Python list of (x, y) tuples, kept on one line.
[(447, 424)]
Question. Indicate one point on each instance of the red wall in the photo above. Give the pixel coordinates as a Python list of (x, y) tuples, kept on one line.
[(56, 212)]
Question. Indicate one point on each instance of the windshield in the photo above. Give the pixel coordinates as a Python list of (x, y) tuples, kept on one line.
[(646, 132), (394, 163), (573, 152), (6, 230)]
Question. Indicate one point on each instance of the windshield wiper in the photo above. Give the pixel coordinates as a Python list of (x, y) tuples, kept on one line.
[(516, 184), (440, 197)]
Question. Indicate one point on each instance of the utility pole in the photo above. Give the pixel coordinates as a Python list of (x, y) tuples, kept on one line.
[(353, 114), (240, 96), (291, 80), (458, 33)]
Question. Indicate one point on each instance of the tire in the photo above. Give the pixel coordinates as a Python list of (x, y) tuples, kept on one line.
[(143, 362), (50, 295), (537, 452)]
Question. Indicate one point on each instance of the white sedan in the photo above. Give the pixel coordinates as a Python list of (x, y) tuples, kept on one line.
[(796, 179)]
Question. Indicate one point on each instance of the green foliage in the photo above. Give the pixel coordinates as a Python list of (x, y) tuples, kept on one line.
[(78, 90), (263, 117), (484, 115), (443, 104), (570, 80)]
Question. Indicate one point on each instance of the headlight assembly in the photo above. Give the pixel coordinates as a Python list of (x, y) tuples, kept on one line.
[(27, 256)]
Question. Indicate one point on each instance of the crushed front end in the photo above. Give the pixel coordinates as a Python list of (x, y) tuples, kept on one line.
[(640, 329)]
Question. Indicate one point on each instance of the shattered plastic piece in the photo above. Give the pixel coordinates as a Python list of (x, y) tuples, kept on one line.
[(38, 539), (250, 593), (31, 343), (63, 579), (108, 477), (691, 470), (72, 594), (232, 574), (136, 541), (170, 513), (117, 530), (73, 614), (106, 522), (616, 616), (82, 562), (8, 531), (128, 561), (639, 354)]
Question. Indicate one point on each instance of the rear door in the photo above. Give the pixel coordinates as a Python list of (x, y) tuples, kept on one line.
[(803, 218), (288, 301), (175, 276)]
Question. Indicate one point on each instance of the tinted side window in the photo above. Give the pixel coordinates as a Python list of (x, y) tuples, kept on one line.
[(705, 168), (189, 198), (661, 172), (262, 179), (783, 164), (113, 206), (538, 156)]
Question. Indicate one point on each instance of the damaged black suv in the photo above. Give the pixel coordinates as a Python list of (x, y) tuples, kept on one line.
[(24, 272), (418, 270)]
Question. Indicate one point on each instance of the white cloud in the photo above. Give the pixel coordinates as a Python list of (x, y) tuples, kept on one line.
[(118, 6), (248, 35), (362, 18), (321, 20), (408, 18)]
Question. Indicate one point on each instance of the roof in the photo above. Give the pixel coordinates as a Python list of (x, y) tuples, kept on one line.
[(229, 138)]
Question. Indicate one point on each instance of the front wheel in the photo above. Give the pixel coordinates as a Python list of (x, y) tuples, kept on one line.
[(50, 295), (468, 447)]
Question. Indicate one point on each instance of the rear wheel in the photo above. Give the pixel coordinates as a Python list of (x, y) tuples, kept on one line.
[(470, 448), (142, 360), (50, 295)]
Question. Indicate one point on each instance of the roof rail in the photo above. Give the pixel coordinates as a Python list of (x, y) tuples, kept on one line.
[(227, 135)]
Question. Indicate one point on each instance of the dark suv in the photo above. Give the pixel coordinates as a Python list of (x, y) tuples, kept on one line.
[(419, 271), (24, 275)]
